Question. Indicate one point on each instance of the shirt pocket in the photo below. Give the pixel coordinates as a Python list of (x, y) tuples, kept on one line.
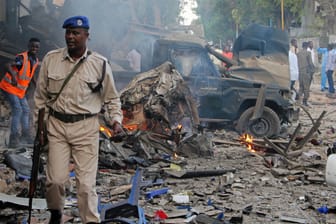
[(55, 82), (88, 83)]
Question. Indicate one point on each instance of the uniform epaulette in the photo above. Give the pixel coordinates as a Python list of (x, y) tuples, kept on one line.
[(55, 51), (97, 55)]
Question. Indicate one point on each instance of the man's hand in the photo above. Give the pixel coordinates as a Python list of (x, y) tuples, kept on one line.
[(117, 128), (14, 81), (118, 132)]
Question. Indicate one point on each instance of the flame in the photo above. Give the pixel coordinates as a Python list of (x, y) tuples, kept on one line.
[(247, 140), (179, 127), (134, 118), (135, 126), (175, 156), (132, 127), (105, 130)]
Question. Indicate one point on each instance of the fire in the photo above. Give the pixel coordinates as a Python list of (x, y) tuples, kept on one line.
[(105, 130), (134, 118), (132, 127), (247, 140)]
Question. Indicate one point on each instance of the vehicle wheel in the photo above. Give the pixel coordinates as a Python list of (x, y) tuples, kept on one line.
[(268, 125)]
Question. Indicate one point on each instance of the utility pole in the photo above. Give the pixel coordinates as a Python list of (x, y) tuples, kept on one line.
[(236, 17), (282, 15)]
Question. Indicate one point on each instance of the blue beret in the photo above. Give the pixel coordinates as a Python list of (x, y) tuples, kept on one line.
[(76, 22)]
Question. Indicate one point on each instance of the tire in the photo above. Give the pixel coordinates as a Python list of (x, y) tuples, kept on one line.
[(268, 125)]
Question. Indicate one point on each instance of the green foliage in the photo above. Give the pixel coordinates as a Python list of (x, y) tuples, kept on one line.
[(146, 11), (216, 19), (220, 17)]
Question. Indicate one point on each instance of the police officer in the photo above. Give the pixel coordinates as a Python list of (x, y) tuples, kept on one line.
[(72, 125)]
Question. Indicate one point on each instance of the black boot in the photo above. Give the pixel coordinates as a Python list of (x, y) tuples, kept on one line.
[(56, 217), (14, 141), (26, 137), (305, 103)]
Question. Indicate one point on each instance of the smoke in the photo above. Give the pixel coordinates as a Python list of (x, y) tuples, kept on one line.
[(188, 11), (114, 28), (109, 23)]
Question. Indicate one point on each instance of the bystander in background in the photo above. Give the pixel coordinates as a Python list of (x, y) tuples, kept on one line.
[(14, 85), (330, 67), (293, 65), (134, 59), (312, 53), (323, 52), (306, 71), (227, 53)]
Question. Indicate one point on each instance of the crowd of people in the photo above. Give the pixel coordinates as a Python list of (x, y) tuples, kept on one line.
[(303, 66)]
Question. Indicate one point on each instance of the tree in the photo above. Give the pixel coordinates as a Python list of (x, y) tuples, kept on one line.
[(154, 12), (215, 15), (326, 12), (220, 17)]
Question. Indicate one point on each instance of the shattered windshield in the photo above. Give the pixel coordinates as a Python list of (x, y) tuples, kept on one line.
[(192, 62)]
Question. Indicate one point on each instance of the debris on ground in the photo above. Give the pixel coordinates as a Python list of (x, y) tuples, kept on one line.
[(209, 176)]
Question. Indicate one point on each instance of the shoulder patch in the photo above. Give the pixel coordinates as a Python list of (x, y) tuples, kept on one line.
[(55, 51), (99, 56)]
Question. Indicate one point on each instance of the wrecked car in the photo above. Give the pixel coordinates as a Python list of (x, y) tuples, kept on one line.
[(252, 94), (160, 119)]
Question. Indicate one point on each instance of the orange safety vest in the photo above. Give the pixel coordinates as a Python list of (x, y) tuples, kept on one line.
[(228, 54), (24, 77)]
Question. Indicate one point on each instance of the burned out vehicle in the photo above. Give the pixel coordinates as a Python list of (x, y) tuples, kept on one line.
[(160, 118), (252, 93)]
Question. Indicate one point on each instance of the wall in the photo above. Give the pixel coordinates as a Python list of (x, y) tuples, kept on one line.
[(2, 10), (22, 11)]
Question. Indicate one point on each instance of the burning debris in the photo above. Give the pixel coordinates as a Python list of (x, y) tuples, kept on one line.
[(160, 118), (209, 186), (158, 100), (288, 150), (247, 140)]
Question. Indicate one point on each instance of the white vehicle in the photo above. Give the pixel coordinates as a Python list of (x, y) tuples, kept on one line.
[(331, 170)]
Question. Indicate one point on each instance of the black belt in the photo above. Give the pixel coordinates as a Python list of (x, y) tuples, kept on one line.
[(69, 118)]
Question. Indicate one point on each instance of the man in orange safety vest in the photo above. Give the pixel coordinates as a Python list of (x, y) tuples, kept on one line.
[(13, 86)]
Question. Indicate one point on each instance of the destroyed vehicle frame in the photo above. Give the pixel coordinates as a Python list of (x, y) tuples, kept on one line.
[(250, 96)]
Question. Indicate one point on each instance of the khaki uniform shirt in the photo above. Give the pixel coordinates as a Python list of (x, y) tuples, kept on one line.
[(77, 97), (305, 62)]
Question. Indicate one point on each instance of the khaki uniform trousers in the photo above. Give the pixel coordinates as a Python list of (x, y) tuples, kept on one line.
[(79, 140), (305, 80)]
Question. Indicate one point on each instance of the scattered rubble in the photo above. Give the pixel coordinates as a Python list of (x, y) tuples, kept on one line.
[(275, 181)]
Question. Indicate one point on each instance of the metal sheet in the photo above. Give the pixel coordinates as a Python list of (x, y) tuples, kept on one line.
[(38, 203)]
